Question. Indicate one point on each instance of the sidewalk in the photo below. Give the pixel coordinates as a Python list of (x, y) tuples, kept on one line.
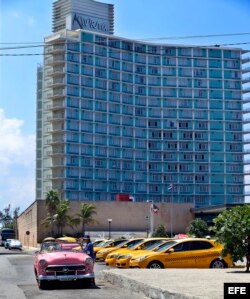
[(30, 250), (176, 283)]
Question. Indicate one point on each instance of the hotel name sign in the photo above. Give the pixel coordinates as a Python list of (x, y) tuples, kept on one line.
[(80, 21)]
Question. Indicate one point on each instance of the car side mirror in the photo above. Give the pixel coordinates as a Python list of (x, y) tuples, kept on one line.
[(170, 250)]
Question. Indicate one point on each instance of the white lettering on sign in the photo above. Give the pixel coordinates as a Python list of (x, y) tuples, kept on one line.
[(86, 22), (237, 290)]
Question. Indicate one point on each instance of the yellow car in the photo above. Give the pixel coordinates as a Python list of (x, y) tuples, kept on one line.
[(107, 244), (111, 257), (66, 239), (102, 254), (122, 260), (98, 241), (183, 253)]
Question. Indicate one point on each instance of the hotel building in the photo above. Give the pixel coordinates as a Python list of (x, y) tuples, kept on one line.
[(159, 122)]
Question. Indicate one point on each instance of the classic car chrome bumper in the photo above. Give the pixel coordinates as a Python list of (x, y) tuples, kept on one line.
[(66, 277)]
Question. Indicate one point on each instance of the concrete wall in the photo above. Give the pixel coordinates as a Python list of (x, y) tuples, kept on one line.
[(126, 216), (27, 221)]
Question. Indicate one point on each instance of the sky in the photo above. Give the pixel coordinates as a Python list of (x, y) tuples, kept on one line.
[(27, 22)]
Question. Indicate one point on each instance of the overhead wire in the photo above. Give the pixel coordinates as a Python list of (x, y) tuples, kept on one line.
[(110, 39), (152, 38)]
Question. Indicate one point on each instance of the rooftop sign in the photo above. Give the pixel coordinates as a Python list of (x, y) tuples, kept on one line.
[(80, 21)]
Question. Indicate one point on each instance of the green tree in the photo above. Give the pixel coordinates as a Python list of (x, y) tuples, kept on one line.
[(62, 218), (198, 228), (232, 227), (85, 216), (49, 222), (8, 217), (160, 232), (52, 201)]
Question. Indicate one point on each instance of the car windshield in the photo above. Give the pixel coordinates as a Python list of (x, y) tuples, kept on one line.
[(97, 242), (151, 246), (134, 244), (57, 246), (121, 244), (165, 246), (104, 243)]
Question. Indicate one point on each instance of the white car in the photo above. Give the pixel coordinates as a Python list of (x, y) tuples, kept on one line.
[(15, 244), (6, 243)]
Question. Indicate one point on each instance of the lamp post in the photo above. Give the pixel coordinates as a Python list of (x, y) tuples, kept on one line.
[(109, 221), (147, 222), (171, 188), (151, 217), (172, 214)]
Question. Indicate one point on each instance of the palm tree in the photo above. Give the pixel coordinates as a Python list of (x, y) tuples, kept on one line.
[(52, 201), (62, 217), (85, 217), (48, 222)]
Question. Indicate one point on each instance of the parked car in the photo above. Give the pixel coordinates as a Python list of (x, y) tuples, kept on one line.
[(183, 253), (122, 260), (61, 261), (111, 257), (15, 244), (107, 244), (6, 243), (66, 239), (6, 233), (49, 239), (102, 254)]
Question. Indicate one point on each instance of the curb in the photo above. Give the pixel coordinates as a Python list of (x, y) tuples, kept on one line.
[(143, 288)]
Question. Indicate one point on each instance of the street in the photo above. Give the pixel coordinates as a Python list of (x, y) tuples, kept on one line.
[(17, 281)]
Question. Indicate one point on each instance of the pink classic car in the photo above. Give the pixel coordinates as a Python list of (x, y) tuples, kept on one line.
[(63, 262)]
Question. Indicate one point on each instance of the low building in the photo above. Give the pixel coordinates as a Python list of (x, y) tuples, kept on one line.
[(126, 217)]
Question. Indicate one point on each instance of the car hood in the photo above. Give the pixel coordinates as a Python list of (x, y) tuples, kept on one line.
[(63, 257)]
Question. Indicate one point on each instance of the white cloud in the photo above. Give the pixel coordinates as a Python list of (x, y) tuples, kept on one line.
[(17, 164)]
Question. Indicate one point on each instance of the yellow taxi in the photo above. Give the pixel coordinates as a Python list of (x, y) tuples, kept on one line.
[(111, 257), (107, 244), (183, 253), (122, 260), (102, 254), (98, 241), (66, 239)]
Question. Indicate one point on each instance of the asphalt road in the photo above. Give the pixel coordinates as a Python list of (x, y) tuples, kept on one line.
[(17, 281)]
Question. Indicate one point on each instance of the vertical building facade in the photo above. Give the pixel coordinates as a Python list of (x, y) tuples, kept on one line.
[(83, 14), (156, 121)]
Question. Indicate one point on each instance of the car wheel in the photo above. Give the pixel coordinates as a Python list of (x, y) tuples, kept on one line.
[(42, 284), (86, 283), (155, 265), (218, 264), (90, 282)]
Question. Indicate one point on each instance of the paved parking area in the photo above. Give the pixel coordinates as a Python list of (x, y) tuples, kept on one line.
[(177, 283), (174, 283)]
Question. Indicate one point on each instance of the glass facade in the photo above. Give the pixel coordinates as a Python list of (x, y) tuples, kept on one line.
[(122, 116)]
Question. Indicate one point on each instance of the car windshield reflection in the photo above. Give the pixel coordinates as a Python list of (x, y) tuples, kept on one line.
[(165, 246), (56, 246)]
